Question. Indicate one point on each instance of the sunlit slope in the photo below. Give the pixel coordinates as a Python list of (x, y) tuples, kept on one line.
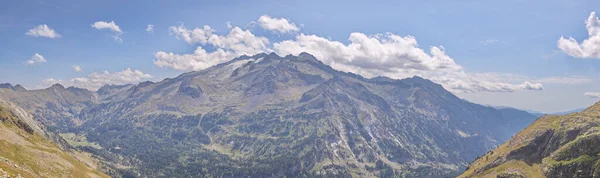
[(553, 146), (25, 152)]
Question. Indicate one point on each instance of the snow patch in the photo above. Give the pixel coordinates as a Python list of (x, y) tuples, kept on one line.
[(238, 64), (258, 60), (463, 134)]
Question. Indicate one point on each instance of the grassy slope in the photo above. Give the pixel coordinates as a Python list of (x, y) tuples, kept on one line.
[(560, 125), (32, 155)]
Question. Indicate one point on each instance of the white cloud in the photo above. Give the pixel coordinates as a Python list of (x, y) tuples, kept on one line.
[(570, 80), (199, 60), (280, 25), (380, 52), (387, 54), (592, 94), (36, 59), (398, 57), (43, 31), (77, 68), (488, 41), (238, 42), (100, 25), (590, 47), (197, 35), (107, 25), (463, 82), (96, 80), (150, 28)]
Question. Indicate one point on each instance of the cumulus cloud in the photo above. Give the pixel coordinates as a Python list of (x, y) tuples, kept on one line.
[(590, 47), (386, 54), (36, 59), (96, 80), (380, 52), (43, 31), (592, 94), (399, 57), (240, 42), (197, 35), (77, 68), (199, 60), (101, 25), (236, 43), (150, 28), (280, 25)]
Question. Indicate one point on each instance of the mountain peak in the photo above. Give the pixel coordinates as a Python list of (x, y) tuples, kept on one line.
[(11, 87), (57, 86), (6, 85), (20, 88), (274, 55)]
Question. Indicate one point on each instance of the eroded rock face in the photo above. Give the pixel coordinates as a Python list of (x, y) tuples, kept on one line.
[(553, 146)]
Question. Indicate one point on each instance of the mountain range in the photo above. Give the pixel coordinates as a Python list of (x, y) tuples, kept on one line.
[(272, 116)]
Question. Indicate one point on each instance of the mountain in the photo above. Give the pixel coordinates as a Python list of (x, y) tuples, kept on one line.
[(272, 116), (553, 146), (14, 88), (568, 112), (532, 112), (26, 151)]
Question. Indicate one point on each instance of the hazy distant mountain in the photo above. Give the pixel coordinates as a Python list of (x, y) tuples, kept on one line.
[(14, 88), (537, 113), (272, 116), (553, 146), (569, 112)]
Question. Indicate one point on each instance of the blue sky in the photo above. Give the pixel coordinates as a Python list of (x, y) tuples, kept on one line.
[(498, 45)]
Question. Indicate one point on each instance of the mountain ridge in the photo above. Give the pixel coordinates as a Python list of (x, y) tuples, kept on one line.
[(260, 115), (552, 146)]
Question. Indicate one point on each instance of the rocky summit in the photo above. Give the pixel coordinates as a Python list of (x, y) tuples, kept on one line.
[(272, 116), (553, 146)]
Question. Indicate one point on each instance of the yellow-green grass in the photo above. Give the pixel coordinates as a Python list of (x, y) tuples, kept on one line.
[(33, 155)]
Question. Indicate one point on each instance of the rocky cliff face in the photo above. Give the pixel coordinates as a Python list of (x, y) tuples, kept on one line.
[(553, 146), (272, 116)]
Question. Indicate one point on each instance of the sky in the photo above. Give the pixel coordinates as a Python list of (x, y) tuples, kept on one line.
[(528, 54)]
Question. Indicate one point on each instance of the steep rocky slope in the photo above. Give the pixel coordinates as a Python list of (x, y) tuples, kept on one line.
[(273, 116), (553, 146), (25, 150)]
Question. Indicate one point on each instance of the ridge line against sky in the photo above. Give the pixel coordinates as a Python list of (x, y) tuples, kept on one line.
[(395, 54)]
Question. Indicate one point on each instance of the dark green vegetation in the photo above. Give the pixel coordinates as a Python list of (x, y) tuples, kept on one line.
[(553, 146), (272, 116)]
